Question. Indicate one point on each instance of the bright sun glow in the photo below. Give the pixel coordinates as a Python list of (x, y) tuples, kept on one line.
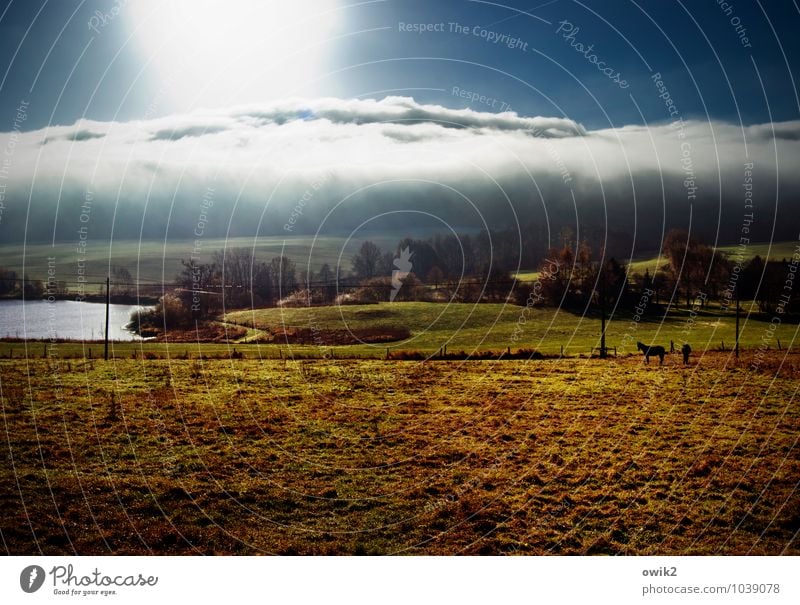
[(213, 52)]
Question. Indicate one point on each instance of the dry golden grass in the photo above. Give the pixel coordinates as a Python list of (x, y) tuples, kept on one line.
[(571, 456)]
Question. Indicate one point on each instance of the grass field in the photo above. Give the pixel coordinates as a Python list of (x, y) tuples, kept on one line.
[(637, 265), (568, 456), (460, 327), (471, 328), (157, 261), (183, 448), (774, 251)]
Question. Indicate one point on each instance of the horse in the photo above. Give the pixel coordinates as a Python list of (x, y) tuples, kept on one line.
[(651, 350)]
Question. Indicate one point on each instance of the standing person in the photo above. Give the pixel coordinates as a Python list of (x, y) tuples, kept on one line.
[(686, 350)]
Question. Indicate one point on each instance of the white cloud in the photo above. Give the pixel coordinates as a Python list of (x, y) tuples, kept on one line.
[(261, 159)]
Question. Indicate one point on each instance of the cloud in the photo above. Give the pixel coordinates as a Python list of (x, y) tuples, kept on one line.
[(404, 110), (76, 135), (180, 132), (338, 164), (789, 131)]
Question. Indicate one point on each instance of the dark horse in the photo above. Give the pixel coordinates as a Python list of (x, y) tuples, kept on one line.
[(651, 350)]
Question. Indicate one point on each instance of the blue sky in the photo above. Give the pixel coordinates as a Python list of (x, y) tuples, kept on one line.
[(626, 116), (67, 71)]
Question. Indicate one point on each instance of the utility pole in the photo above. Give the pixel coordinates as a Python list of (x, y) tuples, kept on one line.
[(603, 352), (108, 304), (737, 320)]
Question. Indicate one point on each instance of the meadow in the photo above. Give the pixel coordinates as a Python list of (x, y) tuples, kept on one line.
[(485, 327), (153, 262), (260, 444), (435, 328), (248, 456)]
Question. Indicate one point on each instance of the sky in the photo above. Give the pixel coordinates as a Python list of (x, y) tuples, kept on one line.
[(116, 68), (619, 115)]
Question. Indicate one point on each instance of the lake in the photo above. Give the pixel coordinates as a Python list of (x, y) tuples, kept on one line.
[(64, 319)]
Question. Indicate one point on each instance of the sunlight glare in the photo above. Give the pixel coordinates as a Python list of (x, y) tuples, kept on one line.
[(210, 52)]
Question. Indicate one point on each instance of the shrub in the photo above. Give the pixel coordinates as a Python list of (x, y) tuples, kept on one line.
[(301, 298), (170, 312)]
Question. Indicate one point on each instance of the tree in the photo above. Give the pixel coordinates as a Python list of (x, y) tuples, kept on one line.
[(374, 289), (305, 279), (612, 283), (584, 275), (766, 283), (647, 280), (32, 288), (196, 279), (567, 237), (170, 312), (750, 277), (499, 285), (8, 281), (367, 261), (234, 266), (435, 276), (121, 281), (325, 274), (688, 261), (450, 254), (661, 283), (554, 275), (386, 265), (283, 271), (480, 253), (423, 256), (262, 283), (411, 289), (326, 290), (196, 276), (718, 274)]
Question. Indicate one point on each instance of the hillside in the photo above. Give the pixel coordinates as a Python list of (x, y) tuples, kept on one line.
[(652, 261), (471, 327)]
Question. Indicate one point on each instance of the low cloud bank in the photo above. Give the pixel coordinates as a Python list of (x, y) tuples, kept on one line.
[(335, 166)]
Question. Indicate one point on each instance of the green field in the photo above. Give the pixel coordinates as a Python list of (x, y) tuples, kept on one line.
[(774, 251), (155, 262), (562, 456), (650, 263), (471, 328), (459, 327)]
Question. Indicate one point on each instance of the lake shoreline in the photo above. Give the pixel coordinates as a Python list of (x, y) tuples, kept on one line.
[(65, 320), (116, 299)]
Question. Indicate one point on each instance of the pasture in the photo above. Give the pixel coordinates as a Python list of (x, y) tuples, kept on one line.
[(248, 456), (152, 262), (484, 327), (471, 328)]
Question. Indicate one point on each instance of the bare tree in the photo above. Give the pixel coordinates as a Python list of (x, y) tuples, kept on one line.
[(284, 279), (367, 262), (326, 288), (121, 281)]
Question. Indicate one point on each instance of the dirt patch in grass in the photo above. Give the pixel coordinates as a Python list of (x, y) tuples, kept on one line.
[(332, 337), (204, 332)]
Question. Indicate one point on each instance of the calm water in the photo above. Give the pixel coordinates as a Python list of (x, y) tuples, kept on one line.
[(64, 319)]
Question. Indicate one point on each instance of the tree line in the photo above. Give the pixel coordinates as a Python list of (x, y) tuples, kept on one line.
[(691, 273), (473, 268)]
